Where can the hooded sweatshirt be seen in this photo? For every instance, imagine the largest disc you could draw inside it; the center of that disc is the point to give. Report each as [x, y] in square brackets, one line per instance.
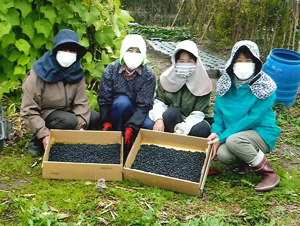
[49, 87]
[247, 108]
[188, 94]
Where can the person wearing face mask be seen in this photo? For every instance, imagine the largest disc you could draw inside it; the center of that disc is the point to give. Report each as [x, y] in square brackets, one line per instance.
[183, 94]
[126, 91]
[54, 92]
[244, 127]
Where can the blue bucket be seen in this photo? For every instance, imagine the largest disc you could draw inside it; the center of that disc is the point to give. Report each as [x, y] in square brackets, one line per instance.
[283, 66]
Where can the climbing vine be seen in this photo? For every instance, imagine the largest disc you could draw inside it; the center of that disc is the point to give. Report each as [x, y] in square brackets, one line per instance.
[27, 29]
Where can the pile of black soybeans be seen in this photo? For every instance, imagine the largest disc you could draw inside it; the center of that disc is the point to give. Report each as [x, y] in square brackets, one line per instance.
[85, 153]
[180, 164]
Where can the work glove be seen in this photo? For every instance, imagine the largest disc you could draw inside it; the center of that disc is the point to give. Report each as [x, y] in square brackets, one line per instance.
[107, 126]
[128, 132]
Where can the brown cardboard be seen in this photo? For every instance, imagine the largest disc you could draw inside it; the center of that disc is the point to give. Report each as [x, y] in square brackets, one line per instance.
[88, 171]
[168, 140]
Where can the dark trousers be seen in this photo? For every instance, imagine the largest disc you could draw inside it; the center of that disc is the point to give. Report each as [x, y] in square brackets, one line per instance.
[172, 116]
[67, 120]
[121, 111]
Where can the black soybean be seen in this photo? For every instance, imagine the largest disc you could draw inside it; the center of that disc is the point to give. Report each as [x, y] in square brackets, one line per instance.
[85, 153]
[185, 165]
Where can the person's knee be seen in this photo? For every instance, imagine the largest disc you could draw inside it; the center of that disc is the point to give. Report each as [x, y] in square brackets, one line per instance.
[71, 122]
[201, 129]
[172, 113]
[122, 104]
[234, 141]
[224, 157]
[148, 124]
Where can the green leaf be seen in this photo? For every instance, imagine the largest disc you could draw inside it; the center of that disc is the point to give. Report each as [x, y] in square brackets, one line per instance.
[4, 28]
[23, 45]
[24, 6]
[106, 36]
[105, 58]
[8, 39]
[78, 7]
[88, 57]
[49, 13]
[58, 4]
[38, 41]
[43, 26]
[84, 42]
[5, 5]
[66, 13]
[123, 16]
[92, 16]
[23, 60]
[13, 17]
[15, 54]
[99, 69]
[7, 65]
[20, 70]
[27, 27]
[49, 45]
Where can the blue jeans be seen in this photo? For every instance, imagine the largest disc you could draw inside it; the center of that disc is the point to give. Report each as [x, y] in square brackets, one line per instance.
[121, 111]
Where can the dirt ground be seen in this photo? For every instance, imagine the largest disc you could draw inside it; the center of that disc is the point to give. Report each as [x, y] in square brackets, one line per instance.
[289, 155]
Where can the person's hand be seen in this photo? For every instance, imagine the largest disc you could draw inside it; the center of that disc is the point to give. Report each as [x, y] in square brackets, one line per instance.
[213, 136]
[159, 125]
[215, 145]
[128, 132]
[45, 141]
[107, 126]
[81, 129]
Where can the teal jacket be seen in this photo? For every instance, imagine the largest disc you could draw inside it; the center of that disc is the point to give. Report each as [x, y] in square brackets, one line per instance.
[239, 110]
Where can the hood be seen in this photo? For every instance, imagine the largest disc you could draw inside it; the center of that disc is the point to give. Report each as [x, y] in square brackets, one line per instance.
[198, 83]
[250, 45]
[68, 36]
[47, 67]
[133, 41]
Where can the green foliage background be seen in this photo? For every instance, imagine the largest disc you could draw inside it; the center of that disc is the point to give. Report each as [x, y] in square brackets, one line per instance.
[27, 29]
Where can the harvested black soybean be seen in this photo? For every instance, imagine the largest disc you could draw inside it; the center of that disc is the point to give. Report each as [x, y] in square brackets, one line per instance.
[85, 153]
[185, 165]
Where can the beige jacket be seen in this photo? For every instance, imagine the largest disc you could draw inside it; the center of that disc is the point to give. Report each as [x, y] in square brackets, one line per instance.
[40, 98]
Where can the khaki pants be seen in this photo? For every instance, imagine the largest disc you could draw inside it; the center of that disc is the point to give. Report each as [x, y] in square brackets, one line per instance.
[242, 147]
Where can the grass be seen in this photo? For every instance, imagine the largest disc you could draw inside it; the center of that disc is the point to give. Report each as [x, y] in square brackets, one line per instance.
[28, 199]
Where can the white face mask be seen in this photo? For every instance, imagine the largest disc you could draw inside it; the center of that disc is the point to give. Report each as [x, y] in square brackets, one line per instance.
[243, 71]
[184, 70]
[65, 59]
[133, 60]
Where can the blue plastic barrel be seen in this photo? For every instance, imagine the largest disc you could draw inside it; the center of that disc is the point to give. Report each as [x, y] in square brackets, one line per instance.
[283, 66]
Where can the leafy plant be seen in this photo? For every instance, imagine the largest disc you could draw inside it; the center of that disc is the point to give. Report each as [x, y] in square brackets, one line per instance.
[172, 34]
[27, 29]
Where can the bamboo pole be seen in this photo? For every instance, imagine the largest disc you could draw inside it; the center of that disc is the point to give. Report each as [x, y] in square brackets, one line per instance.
[178, 13]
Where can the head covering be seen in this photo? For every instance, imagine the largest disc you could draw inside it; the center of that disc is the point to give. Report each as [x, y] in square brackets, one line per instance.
[253, 48]
[133, 41]
[47, 67]
[261, 85]
[198, 83]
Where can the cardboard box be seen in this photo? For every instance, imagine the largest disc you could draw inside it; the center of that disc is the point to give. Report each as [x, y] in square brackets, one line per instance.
[88, 171]
[168, 140]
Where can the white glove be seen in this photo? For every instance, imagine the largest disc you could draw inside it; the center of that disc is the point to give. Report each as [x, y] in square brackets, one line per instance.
[186, 126]
[158, 109]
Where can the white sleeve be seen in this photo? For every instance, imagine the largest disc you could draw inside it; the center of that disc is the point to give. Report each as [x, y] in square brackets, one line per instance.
[157, 111]
[186, 126]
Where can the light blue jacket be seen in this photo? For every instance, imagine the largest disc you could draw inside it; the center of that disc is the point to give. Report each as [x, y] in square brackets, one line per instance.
[246, 108]
[239, 110]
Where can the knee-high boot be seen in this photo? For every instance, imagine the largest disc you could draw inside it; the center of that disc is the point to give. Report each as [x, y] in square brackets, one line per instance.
[269, 178]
